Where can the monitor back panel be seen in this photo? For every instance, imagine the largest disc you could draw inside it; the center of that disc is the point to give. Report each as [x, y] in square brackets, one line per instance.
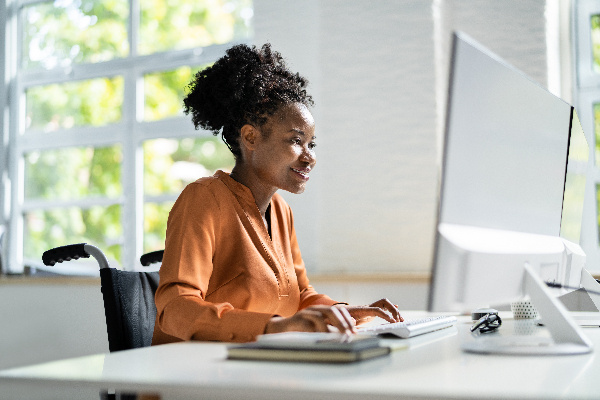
[505, 148]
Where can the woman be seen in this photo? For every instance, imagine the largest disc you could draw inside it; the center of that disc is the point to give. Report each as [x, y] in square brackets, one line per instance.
[232, 267]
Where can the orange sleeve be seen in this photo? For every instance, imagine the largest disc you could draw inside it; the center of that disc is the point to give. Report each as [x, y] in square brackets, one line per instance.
[192, 233]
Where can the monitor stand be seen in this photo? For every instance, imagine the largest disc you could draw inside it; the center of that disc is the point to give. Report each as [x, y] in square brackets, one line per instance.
[583, 303]
[566, 337]
[591, 285]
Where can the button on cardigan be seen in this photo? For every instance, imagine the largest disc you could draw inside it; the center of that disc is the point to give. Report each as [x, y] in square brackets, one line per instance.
[223, 277]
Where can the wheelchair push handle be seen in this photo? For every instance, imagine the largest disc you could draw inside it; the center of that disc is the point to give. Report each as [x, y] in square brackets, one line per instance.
[74, 252]
[64, 253]
[152, 257]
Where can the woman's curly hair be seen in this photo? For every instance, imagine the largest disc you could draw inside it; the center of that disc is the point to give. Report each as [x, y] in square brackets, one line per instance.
[245, 86]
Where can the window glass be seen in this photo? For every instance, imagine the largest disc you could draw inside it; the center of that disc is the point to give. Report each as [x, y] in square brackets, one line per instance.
[596, 108]
[94, 102]
[164, 92]
[73, 173]
[170, 164]
[63, 32]
[184, 24]
[572, 211]
[155, 225]
[68, 193]
[595, 24]
[100, 226]
[598, 208]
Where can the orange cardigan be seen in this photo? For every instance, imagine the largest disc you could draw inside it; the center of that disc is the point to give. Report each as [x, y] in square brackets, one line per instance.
[222, 277]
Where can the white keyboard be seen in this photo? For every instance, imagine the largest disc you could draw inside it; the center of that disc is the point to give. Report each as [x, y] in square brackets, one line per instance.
[409, 328]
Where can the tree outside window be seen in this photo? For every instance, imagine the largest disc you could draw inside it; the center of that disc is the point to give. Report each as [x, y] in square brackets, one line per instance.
[123, 86]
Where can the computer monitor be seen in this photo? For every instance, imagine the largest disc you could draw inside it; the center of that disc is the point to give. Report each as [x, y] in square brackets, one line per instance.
[574, 273]
[505, 147]
[501, 197]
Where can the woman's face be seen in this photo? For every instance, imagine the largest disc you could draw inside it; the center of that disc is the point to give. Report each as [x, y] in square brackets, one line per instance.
[284, 153]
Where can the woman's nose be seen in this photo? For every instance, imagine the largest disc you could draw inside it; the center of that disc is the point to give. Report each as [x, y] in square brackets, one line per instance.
[309, 156]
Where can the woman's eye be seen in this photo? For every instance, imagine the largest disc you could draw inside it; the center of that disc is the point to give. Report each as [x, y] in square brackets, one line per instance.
[296, 141]
[312, 145]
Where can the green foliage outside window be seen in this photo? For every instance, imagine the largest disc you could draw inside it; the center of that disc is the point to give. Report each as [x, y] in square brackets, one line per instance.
[73, 173]
[62, 33]
[69, 174]
[96, 225]
[596, 111]
[597, 153]
[175, 25]
[595, 24]
[170, 164]
[598, 205]
[595, 29]
[95, 102]
[155, 225]
[164, 91]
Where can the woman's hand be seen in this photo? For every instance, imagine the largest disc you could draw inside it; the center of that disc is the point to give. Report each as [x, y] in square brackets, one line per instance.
[381, 308]
[314, 319]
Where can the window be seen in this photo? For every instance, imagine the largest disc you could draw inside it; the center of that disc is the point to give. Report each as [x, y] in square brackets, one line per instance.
[98, 145]
[586, 20]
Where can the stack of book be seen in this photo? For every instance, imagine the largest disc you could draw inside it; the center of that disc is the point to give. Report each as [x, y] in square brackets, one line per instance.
[310, 347]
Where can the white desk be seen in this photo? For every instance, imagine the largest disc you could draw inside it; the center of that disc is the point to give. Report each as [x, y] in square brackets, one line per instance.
[438, 369]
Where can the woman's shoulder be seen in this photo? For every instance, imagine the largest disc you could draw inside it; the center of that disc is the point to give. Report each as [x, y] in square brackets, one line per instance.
[200, 199]
[205, 181]
[209, 186]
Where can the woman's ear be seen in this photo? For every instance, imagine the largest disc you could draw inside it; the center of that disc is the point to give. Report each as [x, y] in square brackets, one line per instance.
[248, 136]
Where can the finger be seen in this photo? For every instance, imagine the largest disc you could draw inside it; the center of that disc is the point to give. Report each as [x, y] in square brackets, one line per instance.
[351, 321]
[327, 314]
[393, 310]
[389, 307]
[381, 313]
[338, 320]
[364, 312]
[401, 318]
[345, 315]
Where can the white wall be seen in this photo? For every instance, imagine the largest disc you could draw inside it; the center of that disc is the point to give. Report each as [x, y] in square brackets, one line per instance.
[378, 72]
[43, 321]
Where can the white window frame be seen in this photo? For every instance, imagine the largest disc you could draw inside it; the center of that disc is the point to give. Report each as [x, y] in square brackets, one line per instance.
[130, 132]
[586, 85]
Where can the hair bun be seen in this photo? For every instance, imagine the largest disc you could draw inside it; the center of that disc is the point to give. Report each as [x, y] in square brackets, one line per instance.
[246, 85]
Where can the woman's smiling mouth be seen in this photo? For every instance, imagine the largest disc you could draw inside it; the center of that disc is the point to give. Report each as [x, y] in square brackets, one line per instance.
[302, 172]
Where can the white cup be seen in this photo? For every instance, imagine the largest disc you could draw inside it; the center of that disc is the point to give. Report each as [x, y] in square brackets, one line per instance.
[523, 310]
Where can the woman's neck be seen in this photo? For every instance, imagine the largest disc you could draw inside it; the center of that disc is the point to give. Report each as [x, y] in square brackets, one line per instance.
[262, 194]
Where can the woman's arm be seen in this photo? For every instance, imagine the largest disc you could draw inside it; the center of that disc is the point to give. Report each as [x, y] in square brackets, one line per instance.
[182, 312]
